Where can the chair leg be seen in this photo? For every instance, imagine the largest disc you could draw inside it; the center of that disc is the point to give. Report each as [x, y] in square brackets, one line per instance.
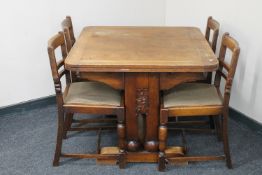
[225, 140]
[122, 159]
[68, 123]
[162, 139]
[211, 122]
[161, 162]
[209, 78]
[59, 140]
[121, 138]
[218, 127]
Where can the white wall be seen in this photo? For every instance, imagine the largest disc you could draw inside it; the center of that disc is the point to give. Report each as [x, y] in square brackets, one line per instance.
[242, 19]
[27, 25]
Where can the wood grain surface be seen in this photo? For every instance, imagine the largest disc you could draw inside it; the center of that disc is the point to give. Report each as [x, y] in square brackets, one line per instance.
[141, 49]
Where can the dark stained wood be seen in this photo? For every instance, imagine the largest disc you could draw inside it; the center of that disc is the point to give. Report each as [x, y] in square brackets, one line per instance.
[142, 61]
[68, 123]
[142, 90]
[93, 128]
[228, 43]
[192, 130]
[133, 83]
[95, 120]
[98, 142]
[68, 109]
[91, 156]
[161, 162]
[152, 117]
[115, 80]
[122, 159]
[185, 123]
[196, 158]
[170, 80]
[137, 157]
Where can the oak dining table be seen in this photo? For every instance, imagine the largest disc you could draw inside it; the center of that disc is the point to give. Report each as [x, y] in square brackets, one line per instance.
[143, 62]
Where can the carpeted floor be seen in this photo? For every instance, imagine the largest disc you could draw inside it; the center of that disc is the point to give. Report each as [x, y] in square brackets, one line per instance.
[27, 142]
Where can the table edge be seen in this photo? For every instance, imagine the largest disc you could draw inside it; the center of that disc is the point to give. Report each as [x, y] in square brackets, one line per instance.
[96, 68]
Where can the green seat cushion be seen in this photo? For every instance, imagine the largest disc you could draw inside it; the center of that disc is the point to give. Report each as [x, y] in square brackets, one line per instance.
[192, 94]
[92, 93]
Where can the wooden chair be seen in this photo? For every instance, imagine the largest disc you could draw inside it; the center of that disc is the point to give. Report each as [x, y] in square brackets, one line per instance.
[214, 26]
[67, 27]
[198, 99]
[82, 97]
[68, 30]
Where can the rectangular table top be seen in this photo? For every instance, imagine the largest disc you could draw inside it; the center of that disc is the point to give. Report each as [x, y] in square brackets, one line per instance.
[141, 49]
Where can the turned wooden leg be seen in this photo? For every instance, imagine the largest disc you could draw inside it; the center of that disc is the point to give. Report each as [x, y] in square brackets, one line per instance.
[161, 162]
[122, 159]
[59, 139]
[162, 139]
[121, 129]
[121, 138]
[225, 139]
[68, 123]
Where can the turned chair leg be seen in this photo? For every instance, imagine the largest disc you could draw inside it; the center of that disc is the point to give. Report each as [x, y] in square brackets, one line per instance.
[225, 140]
[59, 139]
[68, 123]
[121, 138]
[162, 139]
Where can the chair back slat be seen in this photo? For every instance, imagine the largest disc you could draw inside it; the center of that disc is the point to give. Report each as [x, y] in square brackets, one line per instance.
[214, 26]
[60, 64]
[68, 30]
[225, 65]
[55, 42]
[228, 43]
[62, 72]
[222, 74]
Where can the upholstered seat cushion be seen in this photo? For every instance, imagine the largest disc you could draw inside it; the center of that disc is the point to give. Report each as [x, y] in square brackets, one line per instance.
[192, 94]
[92, 93]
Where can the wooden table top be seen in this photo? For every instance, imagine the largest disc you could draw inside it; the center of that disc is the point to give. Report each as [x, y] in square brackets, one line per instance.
[141, 49]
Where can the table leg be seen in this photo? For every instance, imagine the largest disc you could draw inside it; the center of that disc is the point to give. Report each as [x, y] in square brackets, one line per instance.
[152, 119]
[142, 111]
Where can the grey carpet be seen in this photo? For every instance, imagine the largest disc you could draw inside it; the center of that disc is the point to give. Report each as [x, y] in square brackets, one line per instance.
[27, 142]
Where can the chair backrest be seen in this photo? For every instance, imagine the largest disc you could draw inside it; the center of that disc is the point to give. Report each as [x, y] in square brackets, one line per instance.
[68, 30]
[227, 43]
[58, 67]
[214, 26]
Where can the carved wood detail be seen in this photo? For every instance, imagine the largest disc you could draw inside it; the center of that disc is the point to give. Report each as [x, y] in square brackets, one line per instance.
[142, 101]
